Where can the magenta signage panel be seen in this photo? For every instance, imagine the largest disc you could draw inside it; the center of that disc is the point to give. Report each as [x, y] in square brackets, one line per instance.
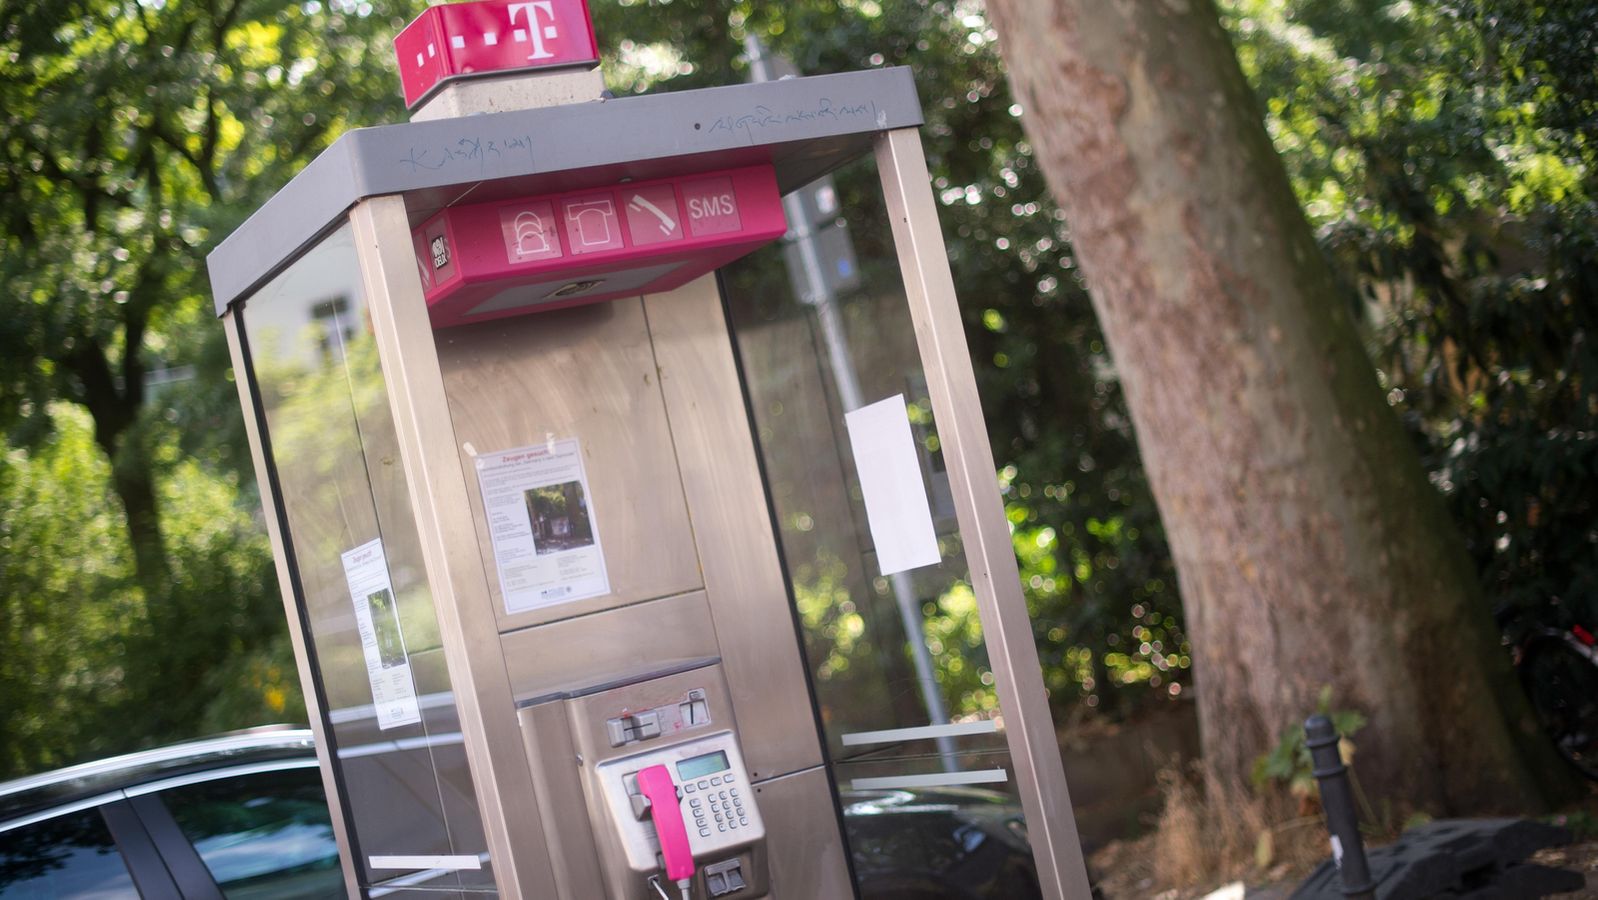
[456, 39]
[511, 257]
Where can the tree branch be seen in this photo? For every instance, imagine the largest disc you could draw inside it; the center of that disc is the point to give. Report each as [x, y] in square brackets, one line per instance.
[84, 184]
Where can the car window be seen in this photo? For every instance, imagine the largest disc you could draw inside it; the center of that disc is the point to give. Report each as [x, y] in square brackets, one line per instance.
[263, 836]
[70, 857]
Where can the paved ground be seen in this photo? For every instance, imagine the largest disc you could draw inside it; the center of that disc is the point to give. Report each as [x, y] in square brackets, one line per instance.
[1129, 878]
[1582, 858]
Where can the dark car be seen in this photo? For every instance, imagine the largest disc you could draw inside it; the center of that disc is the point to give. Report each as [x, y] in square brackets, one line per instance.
[243, 817]
[948, 844]
[237, 816]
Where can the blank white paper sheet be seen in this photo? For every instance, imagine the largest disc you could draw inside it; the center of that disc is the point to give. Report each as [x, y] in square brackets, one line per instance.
[891, 483]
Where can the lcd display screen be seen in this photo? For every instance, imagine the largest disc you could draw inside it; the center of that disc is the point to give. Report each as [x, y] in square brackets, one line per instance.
[700, 766]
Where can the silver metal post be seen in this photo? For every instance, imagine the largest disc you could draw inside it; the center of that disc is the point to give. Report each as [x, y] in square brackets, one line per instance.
[973, 482]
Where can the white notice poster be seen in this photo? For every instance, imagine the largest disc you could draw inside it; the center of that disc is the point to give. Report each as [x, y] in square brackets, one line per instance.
[891, 484]
[388, 666]
[546, 543]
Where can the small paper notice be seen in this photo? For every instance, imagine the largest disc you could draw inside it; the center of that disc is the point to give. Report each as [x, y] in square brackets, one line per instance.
[388, 666]
[546, 543]
[891, 484]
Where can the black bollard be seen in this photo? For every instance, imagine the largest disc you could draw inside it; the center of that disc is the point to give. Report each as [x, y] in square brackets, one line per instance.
[1337, 799]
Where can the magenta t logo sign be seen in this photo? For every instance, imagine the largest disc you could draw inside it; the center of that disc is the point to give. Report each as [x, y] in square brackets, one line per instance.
[536, 29]
[454, 40]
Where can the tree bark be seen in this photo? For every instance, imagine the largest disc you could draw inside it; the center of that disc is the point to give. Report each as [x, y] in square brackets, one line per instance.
[1310, 548]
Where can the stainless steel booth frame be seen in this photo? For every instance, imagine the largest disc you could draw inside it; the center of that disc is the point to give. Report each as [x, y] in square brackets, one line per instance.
[822, 121]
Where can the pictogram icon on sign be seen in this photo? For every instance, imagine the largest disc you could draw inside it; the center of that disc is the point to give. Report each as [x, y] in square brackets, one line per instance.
[652, 215]
[529, 231]
[530, 234]
[712, 206]
[591, 224]
[666, 223]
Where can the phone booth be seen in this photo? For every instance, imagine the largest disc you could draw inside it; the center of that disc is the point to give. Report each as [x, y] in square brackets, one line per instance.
[630, 494]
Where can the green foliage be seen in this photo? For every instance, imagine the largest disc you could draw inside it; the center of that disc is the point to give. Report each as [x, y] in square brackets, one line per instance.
[954, 636]
[135, 135]
[1288, 764]
[829, 614]
[1445, 151]
[89, 666]
[65, 594]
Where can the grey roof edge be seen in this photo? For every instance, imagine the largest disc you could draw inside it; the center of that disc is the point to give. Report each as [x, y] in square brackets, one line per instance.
[390, 159]
[276, 232]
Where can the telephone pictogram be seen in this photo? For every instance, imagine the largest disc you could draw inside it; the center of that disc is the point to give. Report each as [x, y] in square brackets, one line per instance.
[641, 203]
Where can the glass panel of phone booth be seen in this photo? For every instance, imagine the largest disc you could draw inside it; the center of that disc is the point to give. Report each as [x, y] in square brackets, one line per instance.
[803, 364]
[401, 763]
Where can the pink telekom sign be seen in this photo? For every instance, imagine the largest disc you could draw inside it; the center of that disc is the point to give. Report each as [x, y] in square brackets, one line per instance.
[511, 257]
[492, 36]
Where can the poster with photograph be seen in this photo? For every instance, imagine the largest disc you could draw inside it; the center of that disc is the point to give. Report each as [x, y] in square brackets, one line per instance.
[388, 666]
[546, 543]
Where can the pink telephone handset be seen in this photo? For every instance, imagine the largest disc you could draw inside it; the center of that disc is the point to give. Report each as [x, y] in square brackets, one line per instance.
[655, 783]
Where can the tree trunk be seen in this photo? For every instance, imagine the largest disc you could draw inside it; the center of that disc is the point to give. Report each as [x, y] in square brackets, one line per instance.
[1311, 549]
[134, 484]
[115, 410]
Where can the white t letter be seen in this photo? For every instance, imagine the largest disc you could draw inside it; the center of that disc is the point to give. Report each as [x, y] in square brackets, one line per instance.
[534, 29]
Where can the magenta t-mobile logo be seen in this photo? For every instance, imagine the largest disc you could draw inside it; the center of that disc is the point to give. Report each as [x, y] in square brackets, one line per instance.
[539, 28]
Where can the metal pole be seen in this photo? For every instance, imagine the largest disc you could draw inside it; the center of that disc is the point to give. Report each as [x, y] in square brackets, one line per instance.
[830, 318]
[1337, 800]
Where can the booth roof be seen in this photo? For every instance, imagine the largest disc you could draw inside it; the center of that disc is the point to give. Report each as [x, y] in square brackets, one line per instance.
[805, 127]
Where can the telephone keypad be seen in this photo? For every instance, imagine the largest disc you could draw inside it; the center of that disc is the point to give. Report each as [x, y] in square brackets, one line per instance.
[726, 806]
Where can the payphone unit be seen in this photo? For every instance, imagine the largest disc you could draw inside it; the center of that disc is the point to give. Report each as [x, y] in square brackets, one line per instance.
[505, 431]
[669, 797]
